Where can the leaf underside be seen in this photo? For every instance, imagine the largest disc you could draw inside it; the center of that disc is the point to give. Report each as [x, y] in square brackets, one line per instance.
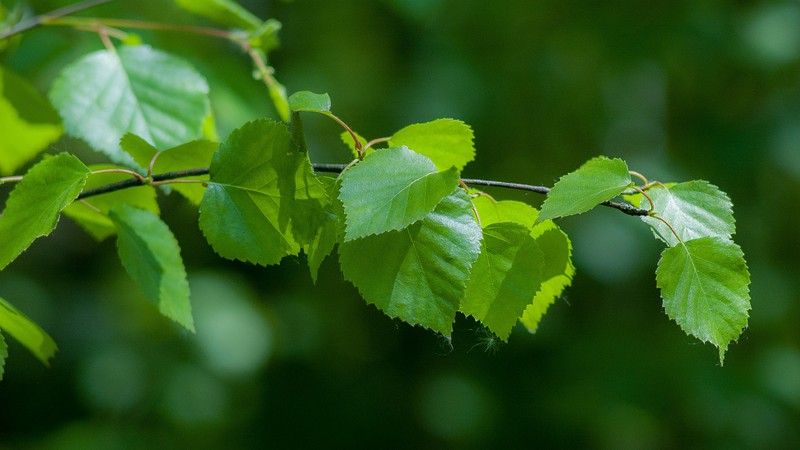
[26, 332]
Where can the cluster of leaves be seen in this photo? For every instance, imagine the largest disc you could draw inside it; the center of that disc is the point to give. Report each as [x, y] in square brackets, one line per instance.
[415, 240]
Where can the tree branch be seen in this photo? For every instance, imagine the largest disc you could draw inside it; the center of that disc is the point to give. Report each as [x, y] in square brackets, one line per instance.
[38, 20]
[337, 168]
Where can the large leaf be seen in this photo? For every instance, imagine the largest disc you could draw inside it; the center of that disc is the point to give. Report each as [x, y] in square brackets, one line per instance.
[151, 256]
[225, 12]
[33, 207]
[694, 209]
[556, 247]
[192, 155]
[26, 332]
[505, 278]
[390, 190]
[447, 142]
[704, 283]
[28, 122]
[418, 274]
[258, 177]
[92, 213]
[598, 180]
[138, 90]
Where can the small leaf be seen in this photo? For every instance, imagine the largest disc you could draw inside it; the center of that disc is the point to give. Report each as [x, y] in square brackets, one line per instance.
[327, 234]
[26, 332]
[3, 355]
[505, 278]
[557, 272]
[556, 247]
[694, 209]
[29, 123]
[598, 180]
[34, 206]
[256, 177]
[309, 101]
[347, 139]
[390, 190]
[151, 256]
[704, 283]
[138, 90]
[192, 155]
[447, 142]
[225, 12]
[418, 274]
[92, 213]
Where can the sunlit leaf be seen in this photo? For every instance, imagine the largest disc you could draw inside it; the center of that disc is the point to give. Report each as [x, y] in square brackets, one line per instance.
[26, 332]
[151, 256]
[92, 213]
[598, 180]
[419, 273]
[704, 283]
[257, 177]
[447, 142]
[390, 190]
[192, 155]
[28, 122]
[695, 209]
[225, 12]
[138, 90]
[309, 101]
[505, 278]
[35, 204]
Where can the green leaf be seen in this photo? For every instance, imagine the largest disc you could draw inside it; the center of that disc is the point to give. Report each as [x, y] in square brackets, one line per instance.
[29, 123]
[257, 177]
[138, 90]
[492, 212]
[347, 139]
[704, 283]
[192, 155]
[505, 278]
[93, 218]
[225, 12]
[557, 272]
[694, 209]
[3, 355]
[309, 101]
[418, 274]
[328, 231]
[151, 256]
[33, 207]
[598, 180]
[26, 332]
[390, 190]
[447, 142]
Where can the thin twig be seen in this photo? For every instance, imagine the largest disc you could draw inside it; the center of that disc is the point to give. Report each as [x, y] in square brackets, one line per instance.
[44, 18]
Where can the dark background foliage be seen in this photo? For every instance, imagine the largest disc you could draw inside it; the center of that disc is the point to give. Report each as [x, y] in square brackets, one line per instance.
[681, 90]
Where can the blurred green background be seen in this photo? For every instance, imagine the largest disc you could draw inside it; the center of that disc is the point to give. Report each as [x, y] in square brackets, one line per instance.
[681, 90]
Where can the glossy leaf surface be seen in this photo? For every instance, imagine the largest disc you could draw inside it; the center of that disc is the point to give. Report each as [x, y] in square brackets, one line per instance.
[390, 190]
[419, 273]
[704, 284]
